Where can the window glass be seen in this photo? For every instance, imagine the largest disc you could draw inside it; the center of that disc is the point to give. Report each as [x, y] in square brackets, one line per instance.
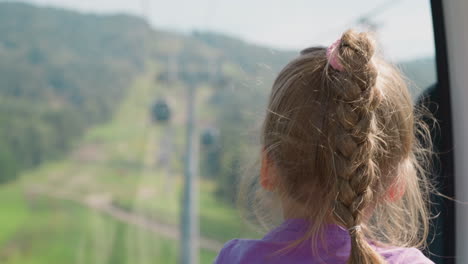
[95, 98]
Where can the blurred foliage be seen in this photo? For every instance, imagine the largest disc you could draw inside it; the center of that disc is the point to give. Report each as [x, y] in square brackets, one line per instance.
[60, 72]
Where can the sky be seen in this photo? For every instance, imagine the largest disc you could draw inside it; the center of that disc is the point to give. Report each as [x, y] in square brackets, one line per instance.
[404, 26]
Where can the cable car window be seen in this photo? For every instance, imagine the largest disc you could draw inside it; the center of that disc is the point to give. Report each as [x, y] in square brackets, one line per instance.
[125, 126]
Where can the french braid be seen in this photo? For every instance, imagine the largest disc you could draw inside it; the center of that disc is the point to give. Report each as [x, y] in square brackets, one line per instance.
[354, 137]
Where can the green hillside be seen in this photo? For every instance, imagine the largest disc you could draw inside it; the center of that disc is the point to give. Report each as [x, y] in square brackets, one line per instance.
[67, 211]
[60, 72]
[77, 90]
[78, 68]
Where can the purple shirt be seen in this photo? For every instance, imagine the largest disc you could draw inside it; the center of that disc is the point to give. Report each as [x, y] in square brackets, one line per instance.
[335, 248]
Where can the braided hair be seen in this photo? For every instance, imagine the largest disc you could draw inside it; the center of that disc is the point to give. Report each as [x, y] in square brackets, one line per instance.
[340, 139]
[353, 137]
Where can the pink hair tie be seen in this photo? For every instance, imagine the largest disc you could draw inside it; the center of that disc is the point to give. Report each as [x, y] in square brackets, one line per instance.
[332, 56]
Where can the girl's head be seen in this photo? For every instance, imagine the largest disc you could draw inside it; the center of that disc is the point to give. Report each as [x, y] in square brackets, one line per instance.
[340, 146]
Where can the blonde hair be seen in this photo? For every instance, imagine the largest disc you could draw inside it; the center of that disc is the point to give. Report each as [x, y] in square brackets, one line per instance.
[340, 141]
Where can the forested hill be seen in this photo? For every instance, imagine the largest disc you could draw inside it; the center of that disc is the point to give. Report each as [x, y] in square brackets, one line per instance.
[63, 71]
[60, 72]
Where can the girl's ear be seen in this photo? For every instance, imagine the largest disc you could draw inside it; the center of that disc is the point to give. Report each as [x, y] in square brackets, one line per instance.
[266, 174]
[398, 187]
[396, 191]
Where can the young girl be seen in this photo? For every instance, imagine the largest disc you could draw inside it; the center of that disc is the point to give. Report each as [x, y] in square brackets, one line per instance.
[341, 157]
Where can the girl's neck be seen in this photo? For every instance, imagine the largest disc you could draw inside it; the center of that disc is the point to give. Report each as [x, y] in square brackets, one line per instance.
[293, 210]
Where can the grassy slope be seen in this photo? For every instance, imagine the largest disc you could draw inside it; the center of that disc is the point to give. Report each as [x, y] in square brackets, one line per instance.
[115, 160]
[47, 231]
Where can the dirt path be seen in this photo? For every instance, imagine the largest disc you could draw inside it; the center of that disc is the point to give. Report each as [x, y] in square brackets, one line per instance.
[102, 203]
